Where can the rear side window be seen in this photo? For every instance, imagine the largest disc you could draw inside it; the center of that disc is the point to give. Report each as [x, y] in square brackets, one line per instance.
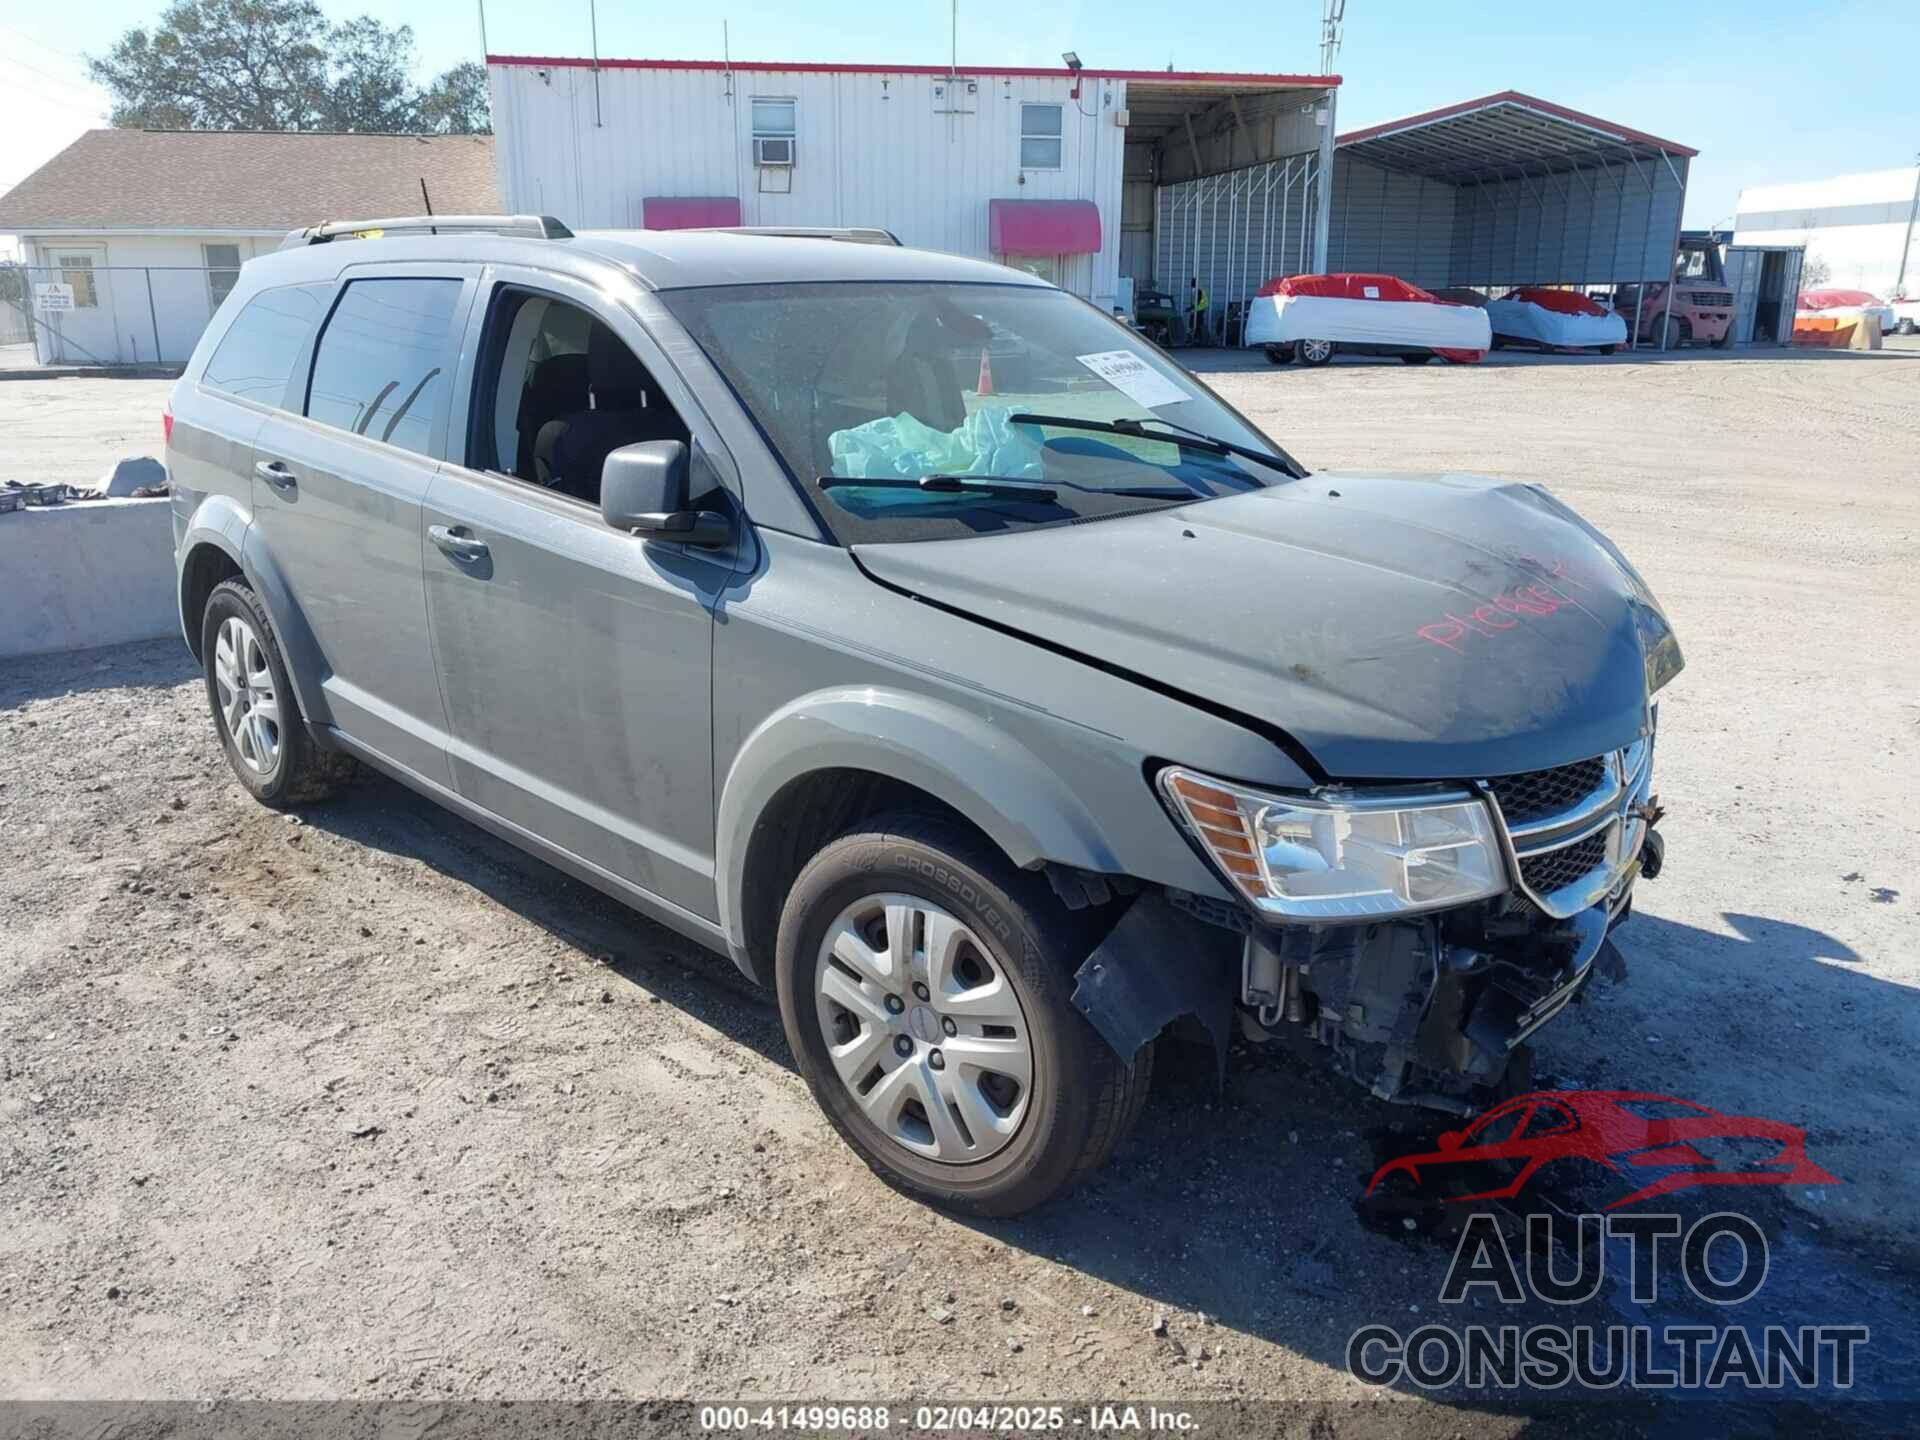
[265, 342]
[381, 370]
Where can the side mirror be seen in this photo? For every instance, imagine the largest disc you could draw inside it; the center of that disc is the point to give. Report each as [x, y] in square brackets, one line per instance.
[1450, 1140]
[643, 491]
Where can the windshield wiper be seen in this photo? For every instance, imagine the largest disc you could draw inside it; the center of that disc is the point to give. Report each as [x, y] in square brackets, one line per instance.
[1013, 487]
[1186, 436]
[1003, 487]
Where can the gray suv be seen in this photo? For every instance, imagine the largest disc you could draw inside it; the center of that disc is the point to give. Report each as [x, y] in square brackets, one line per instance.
[931, 645]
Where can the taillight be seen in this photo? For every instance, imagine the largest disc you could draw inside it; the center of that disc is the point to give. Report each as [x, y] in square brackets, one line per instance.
[166, 424]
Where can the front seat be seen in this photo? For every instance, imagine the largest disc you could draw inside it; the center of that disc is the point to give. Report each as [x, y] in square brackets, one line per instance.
[569, 453]
[558, 386]
[922, 382]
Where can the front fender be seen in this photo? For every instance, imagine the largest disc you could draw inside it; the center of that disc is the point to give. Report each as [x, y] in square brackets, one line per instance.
[954, 755]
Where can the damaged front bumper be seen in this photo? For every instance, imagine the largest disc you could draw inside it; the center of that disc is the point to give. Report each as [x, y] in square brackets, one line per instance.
[1424, 1010]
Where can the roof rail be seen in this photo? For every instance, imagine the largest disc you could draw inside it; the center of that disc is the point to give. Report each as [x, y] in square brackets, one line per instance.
[539, 227]
[853, 234]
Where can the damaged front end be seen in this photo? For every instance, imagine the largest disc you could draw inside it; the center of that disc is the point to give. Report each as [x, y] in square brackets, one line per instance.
[1428, 999]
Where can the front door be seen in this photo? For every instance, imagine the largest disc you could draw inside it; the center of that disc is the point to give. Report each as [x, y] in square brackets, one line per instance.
[337, 493]
[85, 334]
[575, 659]
[1744, 263]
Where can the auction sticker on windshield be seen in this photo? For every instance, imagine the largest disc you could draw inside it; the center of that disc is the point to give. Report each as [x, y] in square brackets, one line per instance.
[1133, 377]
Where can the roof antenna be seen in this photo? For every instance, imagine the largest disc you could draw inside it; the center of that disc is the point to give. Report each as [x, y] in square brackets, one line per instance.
[427, 201]
[593, 21]
[1332, 22]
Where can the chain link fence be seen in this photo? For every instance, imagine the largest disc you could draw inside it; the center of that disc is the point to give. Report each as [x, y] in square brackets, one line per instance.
[79, 313]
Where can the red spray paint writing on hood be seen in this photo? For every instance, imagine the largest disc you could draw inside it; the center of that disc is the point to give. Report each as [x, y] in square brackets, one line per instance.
[1542, 597]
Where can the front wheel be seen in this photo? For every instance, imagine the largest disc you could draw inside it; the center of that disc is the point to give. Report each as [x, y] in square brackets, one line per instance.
[924, 987]
[1279, 354]
[1314, 352]
[1422, 358]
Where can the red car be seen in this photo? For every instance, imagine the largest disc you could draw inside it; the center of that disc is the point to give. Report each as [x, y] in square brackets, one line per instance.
[1628, 1133]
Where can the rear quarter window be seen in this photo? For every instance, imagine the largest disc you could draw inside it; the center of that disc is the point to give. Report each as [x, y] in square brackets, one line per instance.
[383, 363]
[265, 342]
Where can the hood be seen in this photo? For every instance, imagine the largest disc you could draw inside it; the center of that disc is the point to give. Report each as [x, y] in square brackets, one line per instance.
[1397, 627]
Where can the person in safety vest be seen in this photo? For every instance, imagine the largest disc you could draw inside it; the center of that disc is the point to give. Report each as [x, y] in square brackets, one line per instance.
[1197, 332]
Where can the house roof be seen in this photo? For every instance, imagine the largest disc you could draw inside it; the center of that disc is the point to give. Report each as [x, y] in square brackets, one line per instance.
[248, 180]
[819, 67]
[1499, 135]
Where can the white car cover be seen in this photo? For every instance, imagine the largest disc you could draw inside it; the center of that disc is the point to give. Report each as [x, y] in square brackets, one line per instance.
[1282, 319]
[1524, 320]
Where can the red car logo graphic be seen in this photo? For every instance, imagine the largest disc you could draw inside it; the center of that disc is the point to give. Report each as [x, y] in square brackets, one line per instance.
[1631, 1134]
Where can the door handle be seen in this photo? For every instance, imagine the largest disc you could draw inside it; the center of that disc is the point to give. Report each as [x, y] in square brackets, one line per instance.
[457, 545]
[276, 474]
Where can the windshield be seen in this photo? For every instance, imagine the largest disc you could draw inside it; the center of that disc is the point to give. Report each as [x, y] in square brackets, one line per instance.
[912, 389]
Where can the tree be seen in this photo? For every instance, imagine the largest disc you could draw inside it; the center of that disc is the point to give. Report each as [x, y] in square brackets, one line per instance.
[370, 90]
[279, 65]
[221, 65]
[456, 103]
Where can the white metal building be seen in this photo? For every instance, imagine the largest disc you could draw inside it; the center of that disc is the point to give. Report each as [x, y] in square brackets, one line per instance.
[1094, 178]
[1859, 228]
[132, 238]
[1053, 170]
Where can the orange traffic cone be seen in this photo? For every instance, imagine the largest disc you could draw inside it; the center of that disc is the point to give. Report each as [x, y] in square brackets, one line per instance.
[985, 384]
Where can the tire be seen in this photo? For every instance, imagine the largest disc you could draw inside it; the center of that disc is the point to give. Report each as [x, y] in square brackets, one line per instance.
[1906, 327]
[1679, 331]
[1420, 359]
[1010, 970]
[1279, 354]
[1725, 342]
[1497, 343]
[272, 753]
[1609, 349]
[1313, 352]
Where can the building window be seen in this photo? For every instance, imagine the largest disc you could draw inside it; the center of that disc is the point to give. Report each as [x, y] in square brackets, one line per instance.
[1040, 137]
[77, 271]
[774, 131]
[223, 269]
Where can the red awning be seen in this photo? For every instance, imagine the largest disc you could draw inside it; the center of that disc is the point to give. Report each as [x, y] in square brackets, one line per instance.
[688, 212]
[1043, 227]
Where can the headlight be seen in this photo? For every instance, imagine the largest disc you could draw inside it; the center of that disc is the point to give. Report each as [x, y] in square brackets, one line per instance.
[1355, 858]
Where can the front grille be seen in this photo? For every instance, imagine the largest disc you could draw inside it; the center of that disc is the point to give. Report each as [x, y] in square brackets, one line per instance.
[1711, 299]
[1539, 794]
[1544, 874]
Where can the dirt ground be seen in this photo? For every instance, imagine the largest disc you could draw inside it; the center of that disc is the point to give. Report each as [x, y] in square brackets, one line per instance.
[366, 1104]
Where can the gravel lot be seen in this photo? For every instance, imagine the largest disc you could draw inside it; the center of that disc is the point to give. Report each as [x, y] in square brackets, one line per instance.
[368, 1105]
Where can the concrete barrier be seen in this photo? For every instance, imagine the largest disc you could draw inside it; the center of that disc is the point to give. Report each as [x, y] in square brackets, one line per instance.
[92, 572]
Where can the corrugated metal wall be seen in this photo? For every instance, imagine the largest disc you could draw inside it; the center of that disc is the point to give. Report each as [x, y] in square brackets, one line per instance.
[1393, 224]
[1611, 224]
[872, 149]
[1234, 232]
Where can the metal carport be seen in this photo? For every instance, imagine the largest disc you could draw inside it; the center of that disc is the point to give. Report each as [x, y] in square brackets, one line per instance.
[1508, 190]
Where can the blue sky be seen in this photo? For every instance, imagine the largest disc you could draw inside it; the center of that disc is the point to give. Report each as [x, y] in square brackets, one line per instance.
[1766, 90]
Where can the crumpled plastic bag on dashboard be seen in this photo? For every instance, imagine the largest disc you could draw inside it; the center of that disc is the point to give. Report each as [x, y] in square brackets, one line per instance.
[901, 447]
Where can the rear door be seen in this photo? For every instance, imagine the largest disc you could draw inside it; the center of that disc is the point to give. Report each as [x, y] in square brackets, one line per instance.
[337, 500]
[576, 660]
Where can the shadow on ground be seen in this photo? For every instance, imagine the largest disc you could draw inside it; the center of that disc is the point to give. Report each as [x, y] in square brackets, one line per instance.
[1244, 1204]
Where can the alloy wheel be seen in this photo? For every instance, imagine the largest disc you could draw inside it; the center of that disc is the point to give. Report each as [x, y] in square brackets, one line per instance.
[1316, 352]
[923, 1028]
[249, 701]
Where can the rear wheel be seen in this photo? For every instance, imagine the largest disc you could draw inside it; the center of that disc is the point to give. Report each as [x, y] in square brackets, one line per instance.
[1608, 349]
[1724, 340]
[924, 988]
[254, 711]
[1422, 358]
[1679, 332]
[1314, 352]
